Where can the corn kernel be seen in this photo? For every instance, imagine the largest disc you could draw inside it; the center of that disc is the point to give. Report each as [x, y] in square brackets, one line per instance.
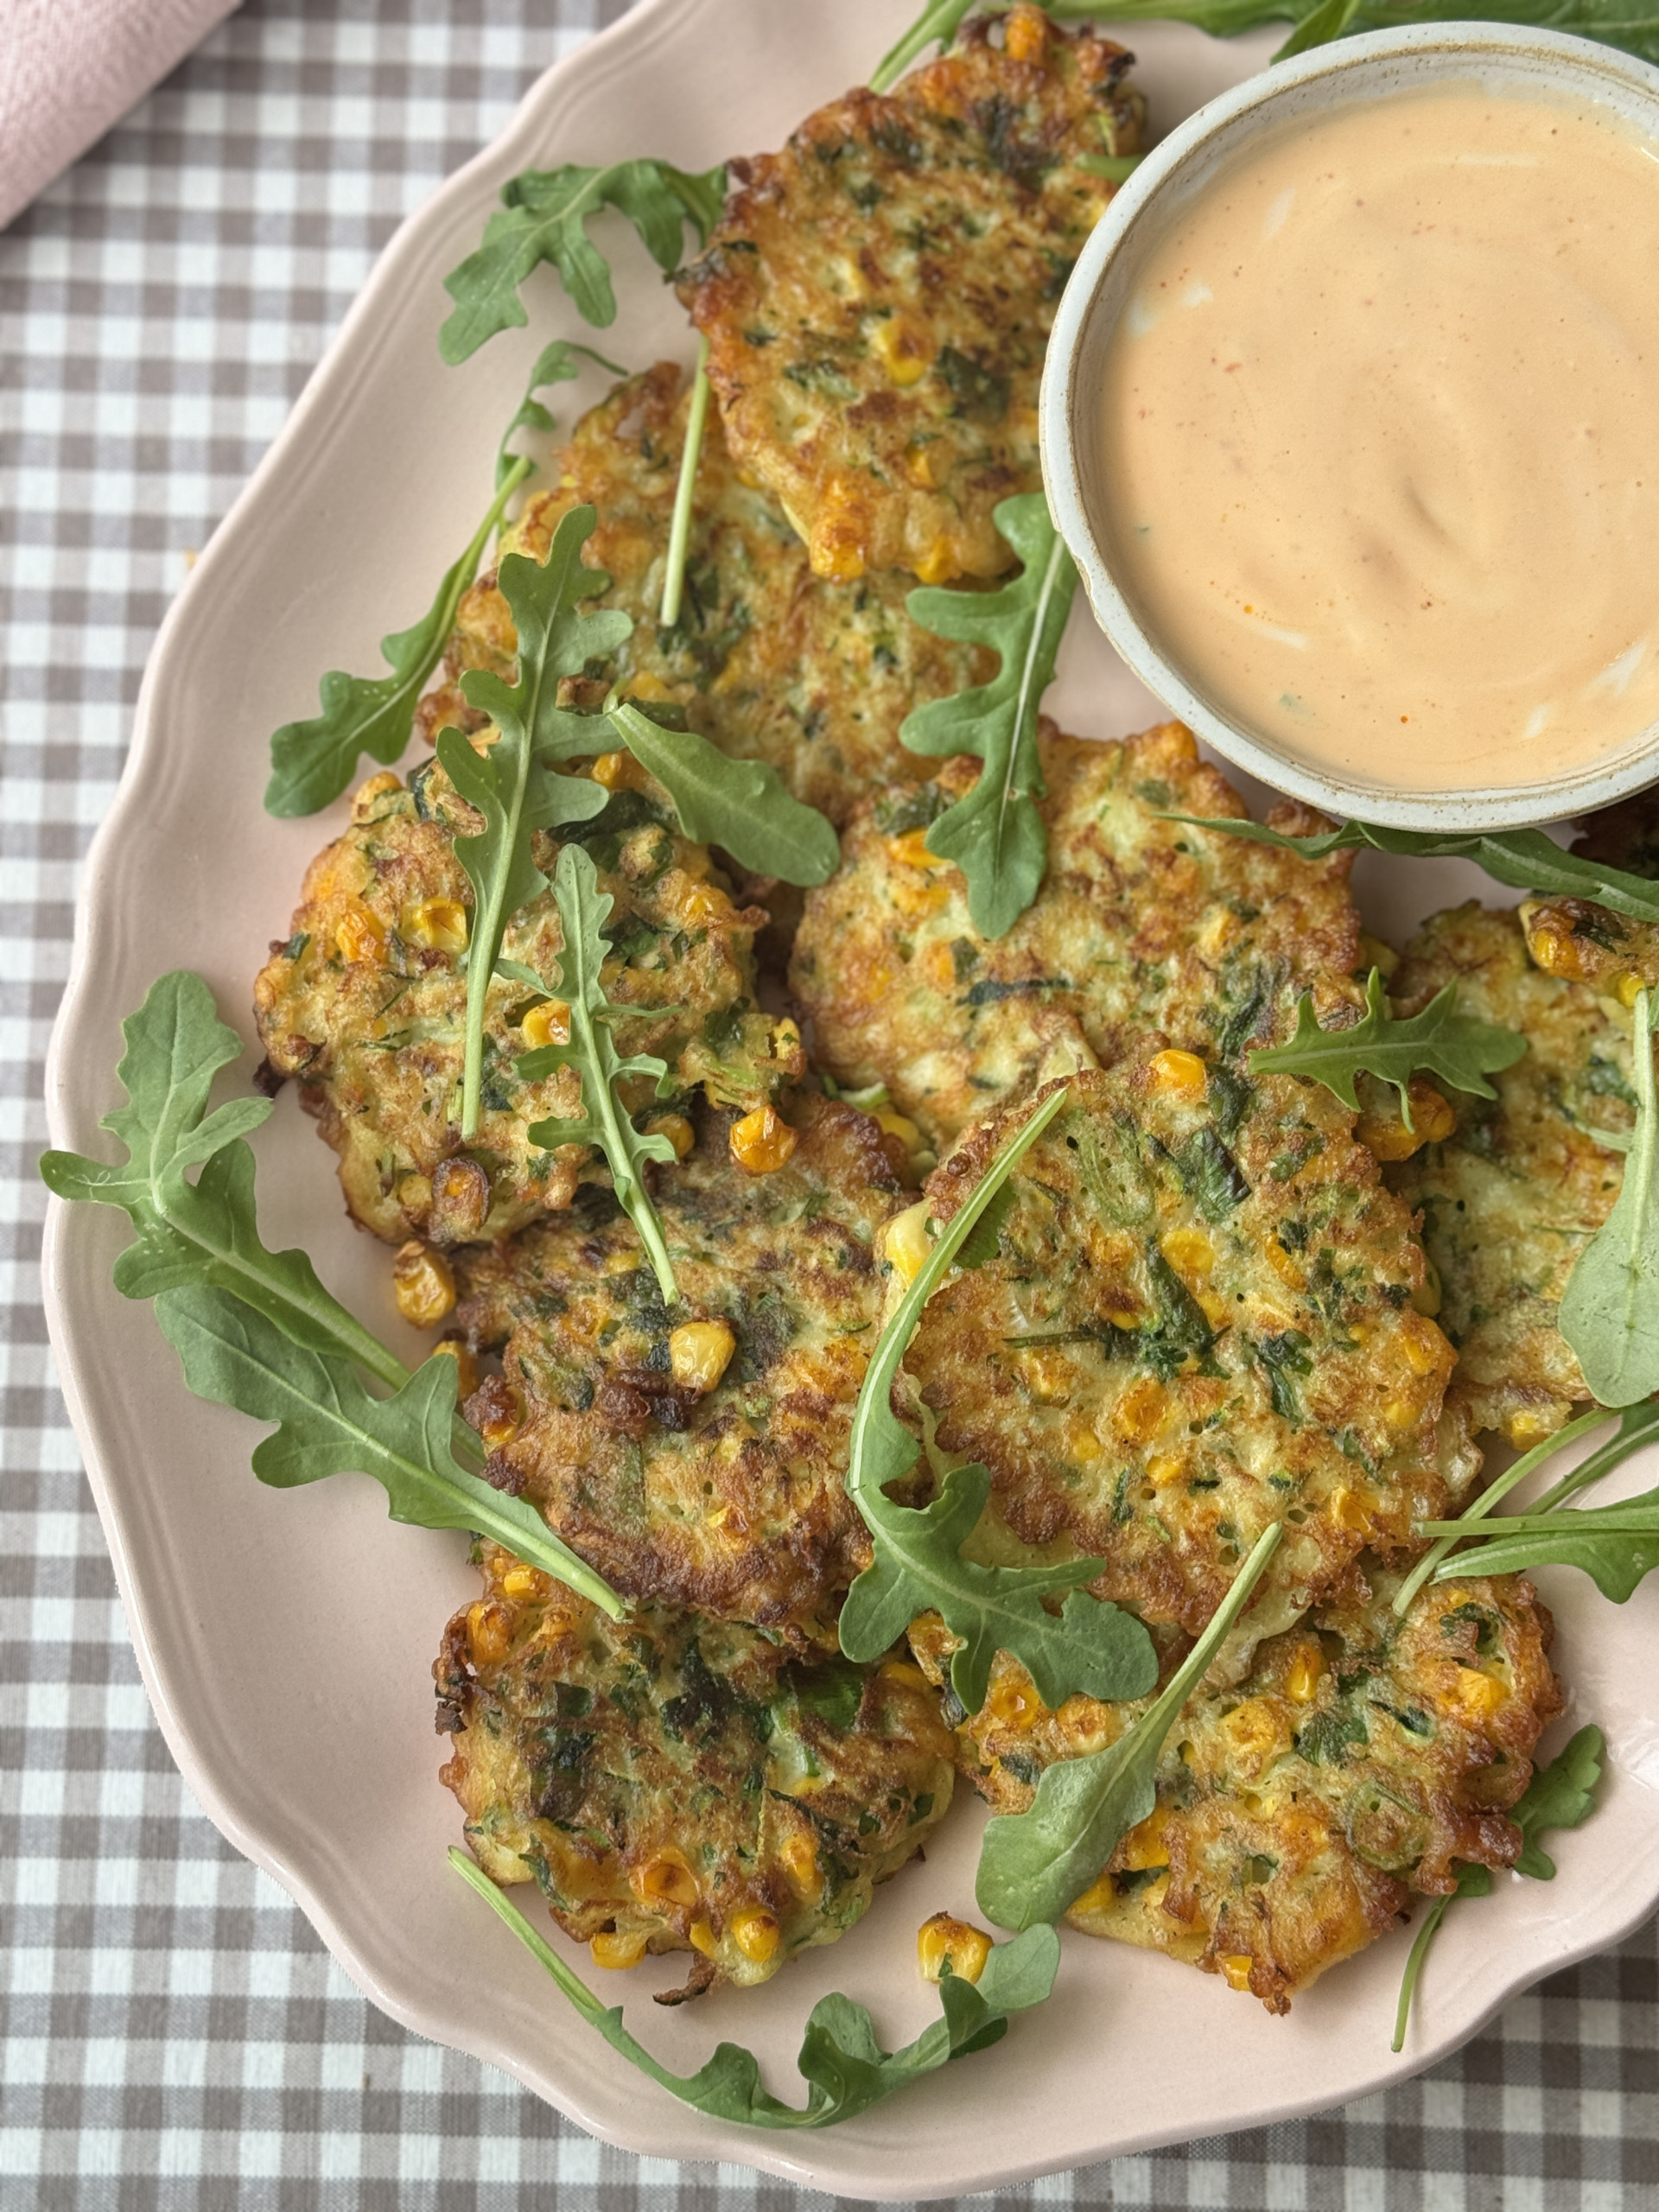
[1302, 1677]
[799, 1855]
[1144, 1845]
[1048, 1376]
[1284, 1266]
[1139, 1412]
[900, 1126]
[906, 351]
[911, 850]
[368, 795]
[1026, 37]
[1427, 1300]
[1014, 1704]
[1435, 1115]
[1182, 1074]
[461, 1201]
[618, 1948]
[836, 545]
[466, 1366]
[943, 1944]
[1552, 946]
[702, 1937]
[665, 1878]
[756, 1934]
[1220, 927]
[1165, 1467]
[1433, 1119]
[762, 1141]
[675, 1126]
[546, 1023]
[699, 1353]
[905, 1242]
[644, 685]
[489, 1631]
[1254, 1729]
[1528, 1426]
[1191, 1253]
[423, 1285]
[1402, 1413]
[904, 1674]
[359, 934]
[1236, 1969]
[520, 1582]
[440, 925]
[1082, 1445]
[1348, 1510]
[1479, 1695]
[618, 771]
[937, 564]
[923, 458]
[1630, 988]
[1422, 1342]
[704, 902]
[1099, 1897]
[499, 1424]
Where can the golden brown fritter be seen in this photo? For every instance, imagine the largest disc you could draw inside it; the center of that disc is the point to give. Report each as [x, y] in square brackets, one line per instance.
[365, 1004]
[673, 1783]
[728, 1498]
[1512, 1197]
[1199, 1322]
[1301, 1808]
[877, 297]
[767, 661]
[1141, 923]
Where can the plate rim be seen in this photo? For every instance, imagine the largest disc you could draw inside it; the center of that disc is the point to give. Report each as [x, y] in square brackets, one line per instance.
[77, 1045]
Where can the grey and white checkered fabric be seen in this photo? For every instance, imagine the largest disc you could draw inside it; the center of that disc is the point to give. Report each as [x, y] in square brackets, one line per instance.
[175, 2035]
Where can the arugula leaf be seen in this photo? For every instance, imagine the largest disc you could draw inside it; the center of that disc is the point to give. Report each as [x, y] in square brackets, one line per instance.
[544, 217]
[1438, 1041]
[1525, 859]
[1613, 22]
[555, 364]
[327, 1424]
[204, 1232]
[996, 835]
[584, 910]
[939, 21]
[1034, 1865]
[1560, 1795]
[1609, 1313]
[201, 1241]
[512, 783]
[311, 763]
[1329, 20]
[1487, 1501]
[919, 1568]
[845, 2068]
[742, 805]
[1615, 1544]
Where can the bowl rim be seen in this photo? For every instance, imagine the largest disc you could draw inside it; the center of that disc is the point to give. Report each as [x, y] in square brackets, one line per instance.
[1575, 64]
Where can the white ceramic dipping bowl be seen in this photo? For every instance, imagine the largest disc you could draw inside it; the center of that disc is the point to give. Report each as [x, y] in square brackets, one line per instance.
[1371, 67]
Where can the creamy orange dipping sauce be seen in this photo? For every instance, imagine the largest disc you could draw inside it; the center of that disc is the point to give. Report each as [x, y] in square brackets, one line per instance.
[1380, 459]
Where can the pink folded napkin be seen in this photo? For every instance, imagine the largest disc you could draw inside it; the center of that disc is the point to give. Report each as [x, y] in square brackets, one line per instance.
[70, 68]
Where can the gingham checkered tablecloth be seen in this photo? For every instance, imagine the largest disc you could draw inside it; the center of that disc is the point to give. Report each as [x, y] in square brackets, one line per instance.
[175, 2035]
